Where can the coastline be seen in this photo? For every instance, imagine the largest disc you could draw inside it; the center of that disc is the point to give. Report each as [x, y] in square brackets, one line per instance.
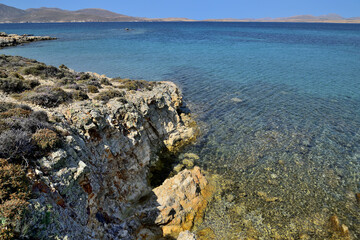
[108, 135]
[198, 21]
[11, 40]
[260, 188]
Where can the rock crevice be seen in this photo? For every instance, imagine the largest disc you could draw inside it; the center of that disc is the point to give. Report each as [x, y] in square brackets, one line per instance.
[94, 185]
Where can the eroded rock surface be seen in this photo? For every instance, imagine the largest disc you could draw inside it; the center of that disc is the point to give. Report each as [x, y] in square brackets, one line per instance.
[91, 187]
[9, 40]
[180, 201]
[103, 142]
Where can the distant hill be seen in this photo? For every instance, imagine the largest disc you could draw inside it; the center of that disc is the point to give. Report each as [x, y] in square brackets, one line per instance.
[10, 12]
[329, 18]
[14, 15]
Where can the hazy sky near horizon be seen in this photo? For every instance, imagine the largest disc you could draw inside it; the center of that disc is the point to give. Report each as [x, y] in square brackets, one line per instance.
[204, 9]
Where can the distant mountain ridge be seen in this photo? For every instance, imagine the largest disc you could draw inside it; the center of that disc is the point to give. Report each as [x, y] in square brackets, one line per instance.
[14, 15]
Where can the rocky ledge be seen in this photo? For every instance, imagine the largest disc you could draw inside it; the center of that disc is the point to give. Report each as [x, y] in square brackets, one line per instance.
[9, 40]
[88, 144]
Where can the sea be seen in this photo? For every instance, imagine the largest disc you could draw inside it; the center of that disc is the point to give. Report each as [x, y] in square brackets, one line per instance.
[278, 105]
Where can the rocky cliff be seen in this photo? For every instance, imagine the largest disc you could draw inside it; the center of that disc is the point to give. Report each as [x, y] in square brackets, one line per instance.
[95, 184]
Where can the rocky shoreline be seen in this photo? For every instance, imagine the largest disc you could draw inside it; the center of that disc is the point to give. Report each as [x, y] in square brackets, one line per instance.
[10, 40]
[94, 148]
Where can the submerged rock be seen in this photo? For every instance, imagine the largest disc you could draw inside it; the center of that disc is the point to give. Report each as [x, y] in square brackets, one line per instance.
[186, 235]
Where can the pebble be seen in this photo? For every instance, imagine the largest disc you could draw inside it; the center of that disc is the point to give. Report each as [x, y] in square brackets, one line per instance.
[238, 100]
[230, 197]
[344, 230]
[189, 163]
[178, 167]
[334, 222]
[191, 156]
[273, 176]
[304, 236]
[358, 197]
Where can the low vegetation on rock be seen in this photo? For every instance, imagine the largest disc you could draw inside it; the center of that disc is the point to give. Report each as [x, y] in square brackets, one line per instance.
[46, 96]
[46, 139]
[14, 193]
[135, 84]
[17, 85]
[25, 135]
[109, 94]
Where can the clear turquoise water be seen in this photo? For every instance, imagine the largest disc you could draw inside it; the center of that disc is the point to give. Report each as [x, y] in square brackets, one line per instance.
[294, 135]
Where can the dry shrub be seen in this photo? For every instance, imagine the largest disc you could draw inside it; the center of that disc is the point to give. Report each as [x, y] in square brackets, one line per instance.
[46, 96]
[16, 85]
[15, 112]
[79, 95]
[16, 75]
[107, 95]
[16, 145]
[92, 89]
[44, 71]
[46, 139]
[135, 84]
[14, 193]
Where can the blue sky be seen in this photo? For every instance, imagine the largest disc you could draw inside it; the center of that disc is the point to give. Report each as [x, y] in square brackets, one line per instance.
[203, 9]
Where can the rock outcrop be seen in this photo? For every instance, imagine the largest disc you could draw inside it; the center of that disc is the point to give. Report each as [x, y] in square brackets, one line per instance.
[94, 183]
[91, 175]
[9, 40]
[182, 200]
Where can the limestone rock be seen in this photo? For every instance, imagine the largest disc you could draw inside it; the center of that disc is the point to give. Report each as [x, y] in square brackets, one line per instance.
[8, 40]
[94, 185]
[186, 235]
[182, 200]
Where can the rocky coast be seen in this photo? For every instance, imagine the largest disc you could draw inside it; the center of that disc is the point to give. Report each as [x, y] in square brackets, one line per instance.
[10, 40]
[89, 151]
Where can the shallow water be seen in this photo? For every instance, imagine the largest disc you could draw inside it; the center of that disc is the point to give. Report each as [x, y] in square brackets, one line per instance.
[278, 103]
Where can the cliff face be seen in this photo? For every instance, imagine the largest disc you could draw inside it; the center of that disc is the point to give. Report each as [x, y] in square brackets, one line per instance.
[88, 143]
[95, 181]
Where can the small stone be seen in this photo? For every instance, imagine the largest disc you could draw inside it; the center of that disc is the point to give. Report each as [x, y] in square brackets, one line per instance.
[334, 223]
[304, 236]
[261, 194]
[358, 197]
[344, 230]
[189, 163]
[178, 167]
[273, 176]
[38, 172]
[230, 197]
[272, 199]
[237, 100]
[186, 235]
[206, 233]
[191, 156]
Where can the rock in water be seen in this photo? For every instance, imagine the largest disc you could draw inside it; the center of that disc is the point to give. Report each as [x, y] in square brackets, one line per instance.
[9, 40]
[186, 235]
[182, 200]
